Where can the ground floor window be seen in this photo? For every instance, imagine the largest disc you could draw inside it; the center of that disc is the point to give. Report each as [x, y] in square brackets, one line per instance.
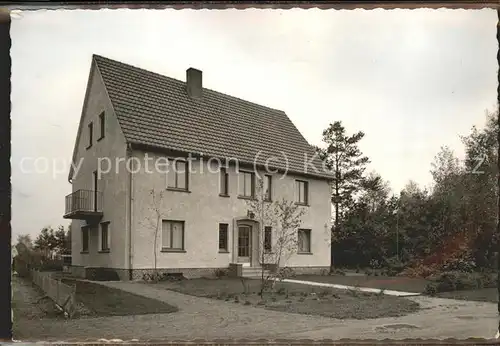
[172, 235]
[104, 236]
[304, 241]
[223, 237]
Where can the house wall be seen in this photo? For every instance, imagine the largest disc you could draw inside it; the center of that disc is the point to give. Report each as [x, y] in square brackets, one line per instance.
[203, 209]
[112, 184]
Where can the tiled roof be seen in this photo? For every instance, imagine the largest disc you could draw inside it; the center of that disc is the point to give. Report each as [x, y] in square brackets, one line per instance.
[155, 110]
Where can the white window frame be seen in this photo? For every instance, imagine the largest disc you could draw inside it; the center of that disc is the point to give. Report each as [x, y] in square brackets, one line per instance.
[297, 192]
[309, 232]
[241, 174]
[226, 249]
[172, 172]
[171, 248]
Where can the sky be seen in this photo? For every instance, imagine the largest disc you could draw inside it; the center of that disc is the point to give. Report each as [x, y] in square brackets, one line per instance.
[411, 80]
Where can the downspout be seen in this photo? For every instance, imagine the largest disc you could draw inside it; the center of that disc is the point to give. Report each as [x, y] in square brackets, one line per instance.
[233, 242]
[130, 212]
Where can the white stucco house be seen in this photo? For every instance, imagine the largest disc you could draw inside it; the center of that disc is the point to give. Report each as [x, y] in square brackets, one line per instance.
[134, 121]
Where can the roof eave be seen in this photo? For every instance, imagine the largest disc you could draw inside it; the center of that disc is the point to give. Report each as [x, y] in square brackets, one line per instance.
[163, 150]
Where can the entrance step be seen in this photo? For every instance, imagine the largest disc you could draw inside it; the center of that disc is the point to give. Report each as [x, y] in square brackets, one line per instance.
[253, 272]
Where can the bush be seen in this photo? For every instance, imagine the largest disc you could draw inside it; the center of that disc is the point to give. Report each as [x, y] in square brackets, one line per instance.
[324, 292]
[285, 273]
[489, 280]
[51, 266]
[338, 272]
[394, 266]
[457, 281]
[21, 267]
[152, 277]
[431, 289]
[375, 264]
[219, 273]
[464, 265]
[353, 292]
[281, 291]
[27, 260]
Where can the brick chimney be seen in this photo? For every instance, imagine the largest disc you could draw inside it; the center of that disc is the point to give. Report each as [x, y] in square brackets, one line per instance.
[194, 83]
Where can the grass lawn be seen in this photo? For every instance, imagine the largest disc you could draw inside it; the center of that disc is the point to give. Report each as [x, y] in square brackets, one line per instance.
[405, 284]
[480, 295]
[297, 298]
[95, 300]
[396, 283]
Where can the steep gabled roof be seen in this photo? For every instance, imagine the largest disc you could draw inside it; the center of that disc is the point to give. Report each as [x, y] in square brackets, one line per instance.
[155, 110]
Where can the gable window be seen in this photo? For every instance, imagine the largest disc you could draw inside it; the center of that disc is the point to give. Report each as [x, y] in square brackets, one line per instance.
[91, 134]
[85, 239]
[102, 125]
[304, 241]
[246, 184]
[178, 175]
[172, 237]
[302, 192]
[224, 182]
[223, 237]
[104, 236]
[268, 239]
[267, 187]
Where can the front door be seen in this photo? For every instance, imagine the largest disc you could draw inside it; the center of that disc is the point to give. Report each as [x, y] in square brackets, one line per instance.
[244, 244]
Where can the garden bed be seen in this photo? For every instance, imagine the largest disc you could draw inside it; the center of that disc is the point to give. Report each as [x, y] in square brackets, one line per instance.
[297, 298]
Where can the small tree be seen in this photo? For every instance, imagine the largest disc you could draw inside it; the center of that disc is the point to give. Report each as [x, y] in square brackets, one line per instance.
[288, 218]
[262, 210]
[67, 241]
[46, 242]
[154, 223]
[61, 241]
[284, 217]
[26, 240]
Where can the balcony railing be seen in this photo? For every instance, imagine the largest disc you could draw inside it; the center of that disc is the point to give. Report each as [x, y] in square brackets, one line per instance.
[82, 204]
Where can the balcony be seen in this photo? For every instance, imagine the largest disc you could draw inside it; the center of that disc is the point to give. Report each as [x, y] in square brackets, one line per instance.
[84, 205]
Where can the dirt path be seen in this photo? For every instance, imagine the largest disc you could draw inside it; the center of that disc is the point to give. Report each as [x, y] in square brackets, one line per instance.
[214, 319]
[28, 302]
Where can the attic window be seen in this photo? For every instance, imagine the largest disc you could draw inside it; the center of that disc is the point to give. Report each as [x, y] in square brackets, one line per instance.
[91, 133]
[102, 125]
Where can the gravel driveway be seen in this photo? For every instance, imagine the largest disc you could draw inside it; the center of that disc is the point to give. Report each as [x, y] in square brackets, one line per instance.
[213, 319]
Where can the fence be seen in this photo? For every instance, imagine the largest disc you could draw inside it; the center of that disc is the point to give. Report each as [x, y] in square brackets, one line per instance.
[63, 295]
